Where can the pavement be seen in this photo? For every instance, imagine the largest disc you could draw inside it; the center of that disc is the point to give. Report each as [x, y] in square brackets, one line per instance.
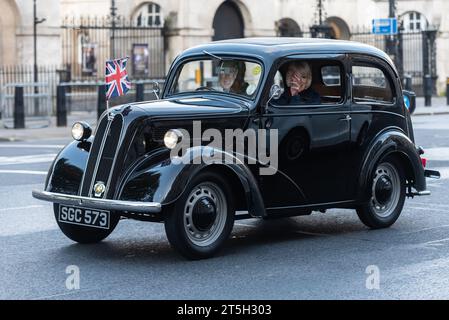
[51, 131]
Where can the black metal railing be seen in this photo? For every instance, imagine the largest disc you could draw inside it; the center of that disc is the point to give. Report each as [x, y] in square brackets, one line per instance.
[88, 42]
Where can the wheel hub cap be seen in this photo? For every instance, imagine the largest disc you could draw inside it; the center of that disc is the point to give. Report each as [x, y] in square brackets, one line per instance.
[383, 190]
[386, 190]
[204, 214]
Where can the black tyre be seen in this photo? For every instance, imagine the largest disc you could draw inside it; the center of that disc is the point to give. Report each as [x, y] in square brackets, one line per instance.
[387, 195]
[200, 221]
[82, 234]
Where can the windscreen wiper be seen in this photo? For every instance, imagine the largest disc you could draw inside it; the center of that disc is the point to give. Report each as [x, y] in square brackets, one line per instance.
[212, 55]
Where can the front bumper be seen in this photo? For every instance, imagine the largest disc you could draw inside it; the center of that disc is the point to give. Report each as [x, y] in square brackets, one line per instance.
[105, 204]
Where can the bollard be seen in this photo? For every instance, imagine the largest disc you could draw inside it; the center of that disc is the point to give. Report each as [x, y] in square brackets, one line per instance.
[101, 105]
[427, 90]
[61, 109]
[408, 82]
[140, 92]
[447, 91]
[19, 109]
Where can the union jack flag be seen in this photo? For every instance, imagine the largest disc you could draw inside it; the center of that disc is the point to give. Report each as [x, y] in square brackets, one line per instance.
[117, 83]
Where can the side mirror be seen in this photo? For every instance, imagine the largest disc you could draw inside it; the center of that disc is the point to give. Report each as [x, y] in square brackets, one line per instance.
[156, 89]
[275, 93]
[409, 100]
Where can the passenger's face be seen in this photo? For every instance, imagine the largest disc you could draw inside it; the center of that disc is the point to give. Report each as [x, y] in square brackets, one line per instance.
[227, 78]
[297, 79]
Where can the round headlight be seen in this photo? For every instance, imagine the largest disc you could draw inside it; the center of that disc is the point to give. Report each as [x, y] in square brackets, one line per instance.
[172, 138]
[81, 131]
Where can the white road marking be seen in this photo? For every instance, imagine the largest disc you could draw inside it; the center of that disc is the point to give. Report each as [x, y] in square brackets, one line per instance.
[425, 229]
[28, 220]
[428, 209]
[437, 241]
[436, 153]
[37, 146]
[41, 173]
[441, 205]
[21, 208]
[37, 158]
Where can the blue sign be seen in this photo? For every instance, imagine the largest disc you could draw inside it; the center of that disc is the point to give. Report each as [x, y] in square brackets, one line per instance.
[385, 26]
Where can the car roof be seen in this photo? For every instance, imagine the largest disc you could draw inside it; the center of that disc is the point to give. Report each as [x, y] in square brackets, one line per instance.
[274, 47]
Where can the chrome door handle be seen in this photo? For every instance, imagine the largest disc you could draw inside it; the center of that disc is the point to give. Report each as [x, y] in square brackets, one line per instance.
[347, 118]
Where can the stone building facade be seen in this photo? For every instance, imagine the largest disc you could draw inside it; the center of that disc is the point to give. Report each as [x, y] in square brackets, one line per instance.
[190, 22]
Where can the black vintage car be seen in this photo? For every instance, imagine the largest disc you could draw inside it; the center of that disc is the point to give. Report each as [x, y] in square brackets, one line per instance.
[267, 127]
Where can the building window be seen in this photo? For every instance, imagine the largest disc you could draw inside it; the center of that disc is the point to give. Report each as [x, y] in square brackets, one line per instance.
[149, 15]
[414, 22]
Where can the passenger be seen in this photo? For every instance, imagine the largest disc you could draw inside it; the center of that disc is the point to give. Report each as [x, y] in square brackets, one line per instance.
[298, 80]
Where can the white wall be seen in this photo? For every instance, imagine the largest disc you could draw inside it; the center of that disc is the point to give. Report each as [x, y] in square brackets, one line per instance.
[48, 40]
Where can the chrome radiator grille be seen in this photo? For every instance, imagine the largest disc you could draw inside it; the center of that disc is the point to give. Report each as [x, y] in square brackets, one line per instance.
[102, 155]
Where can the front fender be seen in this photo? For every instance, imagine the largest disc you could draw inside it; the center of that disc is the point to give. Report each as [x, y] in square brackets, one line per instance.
[392, 141]
[158, 178]
[66, 171]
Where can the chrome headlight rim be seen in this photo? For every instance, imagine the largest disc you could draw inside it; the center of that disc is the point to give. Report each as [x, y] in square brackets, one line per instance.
[172, 137]
[81, 131]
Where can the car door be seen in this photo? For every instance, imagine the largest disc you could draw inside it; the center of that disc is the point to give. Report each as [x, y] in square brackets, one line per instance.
[374, 106]
[313, 142]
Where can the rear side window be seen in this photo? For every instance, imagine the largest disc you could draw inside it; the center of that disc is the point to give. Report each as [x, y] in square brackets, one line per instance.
[371, 84]
[331, 75]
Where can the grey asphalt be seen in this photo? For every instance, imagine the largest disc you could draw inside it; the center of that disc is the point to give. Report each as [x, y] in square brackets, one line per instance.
[322, 256]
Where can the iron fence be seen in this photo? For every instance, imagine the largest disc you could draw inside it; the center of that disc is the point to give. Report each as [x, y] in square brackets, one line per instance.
[415, 53]
[88, 42]
[83, 95]
[39, 98]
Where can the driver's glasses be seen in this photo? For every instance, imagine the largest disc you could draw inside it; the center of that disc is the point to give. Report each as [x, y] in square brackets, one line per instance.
[226, 71]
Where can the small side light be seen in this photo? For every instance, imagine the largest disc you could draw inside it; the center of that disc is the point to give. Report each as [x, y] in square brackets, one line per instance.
[172, 137]
[81, 131]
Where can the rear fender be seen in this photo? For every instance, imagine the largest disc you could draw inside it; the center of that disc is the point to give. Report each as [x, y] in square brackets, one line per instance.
[392, 142]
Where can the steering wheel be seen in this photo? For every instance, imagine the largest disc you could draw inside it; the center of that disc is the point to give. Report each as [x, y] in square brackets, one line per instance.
[205, 88]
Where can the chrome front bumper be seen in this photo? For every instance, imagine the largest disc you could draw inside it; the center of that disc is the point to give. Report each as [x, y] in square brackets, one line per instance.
[105, 204]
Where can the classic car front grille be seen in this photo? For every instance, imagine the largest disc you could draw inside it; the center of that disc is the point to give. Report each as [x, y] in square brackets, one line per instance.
[102, 154]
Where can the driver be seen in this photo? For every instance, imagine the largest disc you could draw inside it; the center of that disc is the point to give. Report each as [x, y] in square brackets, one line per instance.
[227, 73]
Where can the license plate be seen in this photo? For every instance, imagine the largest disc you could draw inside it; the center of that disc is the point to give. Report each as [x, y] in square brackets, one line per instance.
[84, 216]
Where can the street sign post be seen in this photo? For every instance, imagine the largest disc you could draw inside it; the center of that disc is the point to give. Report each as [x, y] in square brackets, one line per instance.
[387, 26]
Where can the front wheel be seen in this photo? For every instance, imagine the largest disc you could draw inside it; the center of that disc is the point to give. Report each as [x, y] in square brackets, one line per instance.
[85, 234]
[200, 221]
[387, 191]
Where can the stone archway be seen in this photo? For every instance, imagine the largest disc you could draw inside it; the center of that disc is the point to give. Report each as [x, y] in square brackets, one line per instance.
[228, 22]
[287, 27]
[9, 20]
[339, 28]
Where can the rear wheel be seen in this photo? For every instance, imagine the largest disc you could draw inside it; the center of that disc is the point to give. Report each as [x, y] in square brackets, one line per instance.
[387, 191]
[200, 221]
[84, 234]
